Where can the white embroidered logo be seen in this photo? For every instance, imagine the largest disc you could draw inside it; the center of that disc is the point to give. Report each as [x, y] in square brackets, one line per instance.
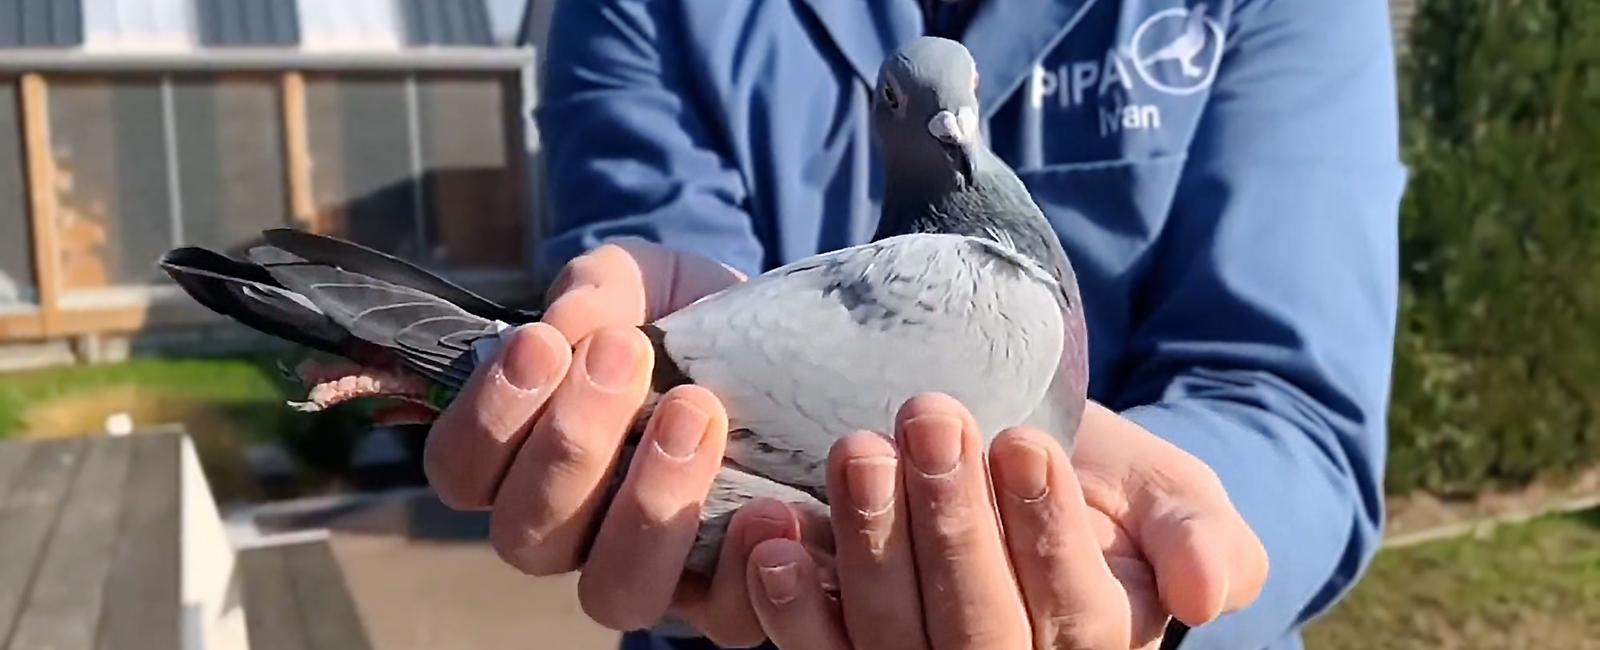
[1176, 51]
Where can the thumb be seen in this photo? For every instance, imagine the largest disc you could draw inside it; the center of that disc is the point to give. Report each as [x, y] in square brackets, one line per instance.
[1206, 559]
[672, 279]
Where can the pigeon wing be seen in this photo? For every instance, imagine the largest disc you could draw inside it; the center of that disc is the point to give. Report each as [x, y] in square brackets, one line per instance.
[430, 334]
[247, 293]
[375, 264]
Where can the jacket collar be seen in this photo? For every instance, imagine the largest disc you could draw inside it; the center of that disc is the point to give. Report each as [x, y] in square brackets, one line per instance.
[866, 31]
[1006, 37]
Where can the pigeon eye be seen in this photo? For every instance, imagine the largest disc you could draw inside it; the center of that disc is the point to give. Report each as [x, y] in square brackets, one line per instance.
[890, 97]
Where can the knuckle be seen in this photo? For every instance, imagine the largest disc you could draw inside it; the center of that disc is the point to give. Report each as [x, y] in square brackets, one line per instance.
[454, 488]
[519, 546]
[992, 636]
[493, 423]
[454, 495]
[565, 448]
[655, 510]
[614, 604]
[1084, 632]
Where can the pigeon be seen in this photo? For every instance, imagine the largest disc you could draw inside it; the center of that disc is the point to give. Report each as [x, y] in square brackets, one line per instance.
[963, 289]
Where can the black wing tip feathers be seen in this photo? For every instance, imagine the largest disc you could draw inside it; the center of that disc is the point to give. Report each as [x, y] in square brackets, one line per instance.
[350, 256]
[186, 256]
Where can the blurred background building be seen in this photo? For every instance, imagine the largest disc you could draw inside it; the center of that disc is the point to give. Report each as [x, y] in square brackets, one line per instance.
[128, 127]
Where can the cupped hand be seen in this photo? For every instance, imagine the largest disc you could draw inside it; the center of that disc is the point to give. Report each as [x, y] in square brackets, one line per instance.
[1097, 552]
[536, 434]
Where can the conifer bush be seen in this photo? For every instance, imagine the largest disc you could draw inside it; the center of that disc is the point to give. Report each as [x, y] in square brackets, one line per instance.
[1497, 371]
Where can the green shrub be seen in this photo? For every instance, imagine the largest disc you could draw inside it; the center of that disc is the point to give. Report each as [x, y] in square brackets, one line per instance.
[1497, 376]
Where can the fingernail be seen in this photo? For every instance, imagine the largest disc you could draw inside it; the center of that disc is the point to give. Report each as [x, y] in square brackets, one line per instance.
[611, 361]
[679, 428]
[870, 482]
[934, 442]
[779, 582]
[1026, 470]
[530, 361]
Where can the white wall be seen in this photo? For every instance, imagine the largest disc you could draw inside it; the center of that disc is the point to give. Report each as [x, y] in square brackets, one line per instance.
[139, 25]
[350, 25]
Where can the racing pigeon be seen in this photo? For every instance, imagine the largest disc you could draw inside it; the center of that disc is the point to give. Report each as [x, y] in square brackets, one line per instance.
[964, 289]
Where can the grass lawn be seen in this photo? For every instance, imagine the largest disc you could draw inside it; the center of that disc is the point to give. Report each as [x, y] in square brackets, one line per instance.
[225, 403]
[1534, 585]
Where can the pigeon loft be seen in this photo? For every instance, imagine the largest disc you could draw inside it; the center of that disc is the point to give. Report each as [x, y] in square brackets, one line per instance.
[400, 125]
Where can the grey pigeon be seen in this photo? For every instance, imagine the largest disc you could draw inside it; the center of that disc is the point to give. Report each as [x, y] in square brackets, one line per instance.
[964, 290]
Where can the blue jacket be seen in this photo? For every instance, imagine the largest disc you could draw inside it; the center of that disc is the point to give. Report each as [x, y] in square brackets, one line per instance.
[1225, 177]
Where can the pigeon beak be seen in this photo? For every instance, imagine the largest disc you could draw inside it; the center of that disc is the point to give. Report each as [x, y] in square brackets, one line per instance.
[959, 134]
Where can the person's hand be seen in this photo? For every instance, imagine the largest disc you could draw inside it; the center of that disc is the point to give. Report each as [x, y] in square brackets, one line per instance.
[535, 434]
[1096, 551]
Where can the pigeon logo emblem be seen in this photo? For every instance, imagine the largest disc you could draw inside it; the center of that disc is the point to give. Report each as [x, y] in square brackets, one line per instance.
[1176, 51]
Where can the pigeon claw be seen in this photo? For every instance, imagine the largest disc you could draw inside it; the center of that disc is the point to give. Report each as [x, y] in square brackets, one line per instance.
[334, 383]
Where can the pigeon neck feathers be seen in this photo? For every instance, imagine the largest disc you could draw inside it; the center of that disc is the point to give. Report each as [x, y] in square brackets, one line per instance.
[996, 207]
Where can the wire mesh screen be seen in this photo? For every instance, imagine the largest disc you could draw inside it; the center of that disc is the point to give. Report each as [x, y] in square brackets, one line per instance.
[17, 281]
[231, 175]
[362, 169]
[472, 213]
[419, 167]
[115, 214]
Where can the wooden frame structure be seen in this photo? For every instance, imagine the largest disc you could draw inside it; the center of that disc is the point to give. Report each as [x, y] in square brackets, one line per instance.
[56, 318]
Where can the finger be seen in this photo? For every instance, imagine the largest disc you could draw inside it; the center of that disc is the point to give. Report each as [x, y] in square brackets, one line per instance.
[721, 609]
[1073, 599]
[633, 567]
[544, 509]
[629, 281]
[789, 601]
[603, 287]
[969, 597]
[1206, 559]
[673, 279]
[1207, 562]
[877, 572]
[473, 442]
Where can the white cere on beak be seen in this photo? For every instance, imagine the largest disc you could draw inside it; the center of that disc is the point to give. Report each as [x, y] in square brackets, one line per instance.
[954, 128]
[967, 117]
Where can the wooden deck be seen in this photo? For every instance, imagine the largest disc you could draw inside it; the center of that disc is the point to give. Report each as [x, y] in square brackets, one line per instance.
[89, 544]
[296, 598]
[114, 543]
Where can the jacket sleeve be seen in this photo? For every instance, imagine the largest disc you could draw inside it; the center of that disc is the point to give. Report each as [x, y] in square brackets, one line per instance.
[1264, 338]
[628, 148]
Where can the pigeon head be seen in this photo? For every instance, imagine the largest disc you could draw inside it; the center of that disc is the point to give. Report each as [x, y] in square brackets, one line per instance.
[925, 113]
[939, 174]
